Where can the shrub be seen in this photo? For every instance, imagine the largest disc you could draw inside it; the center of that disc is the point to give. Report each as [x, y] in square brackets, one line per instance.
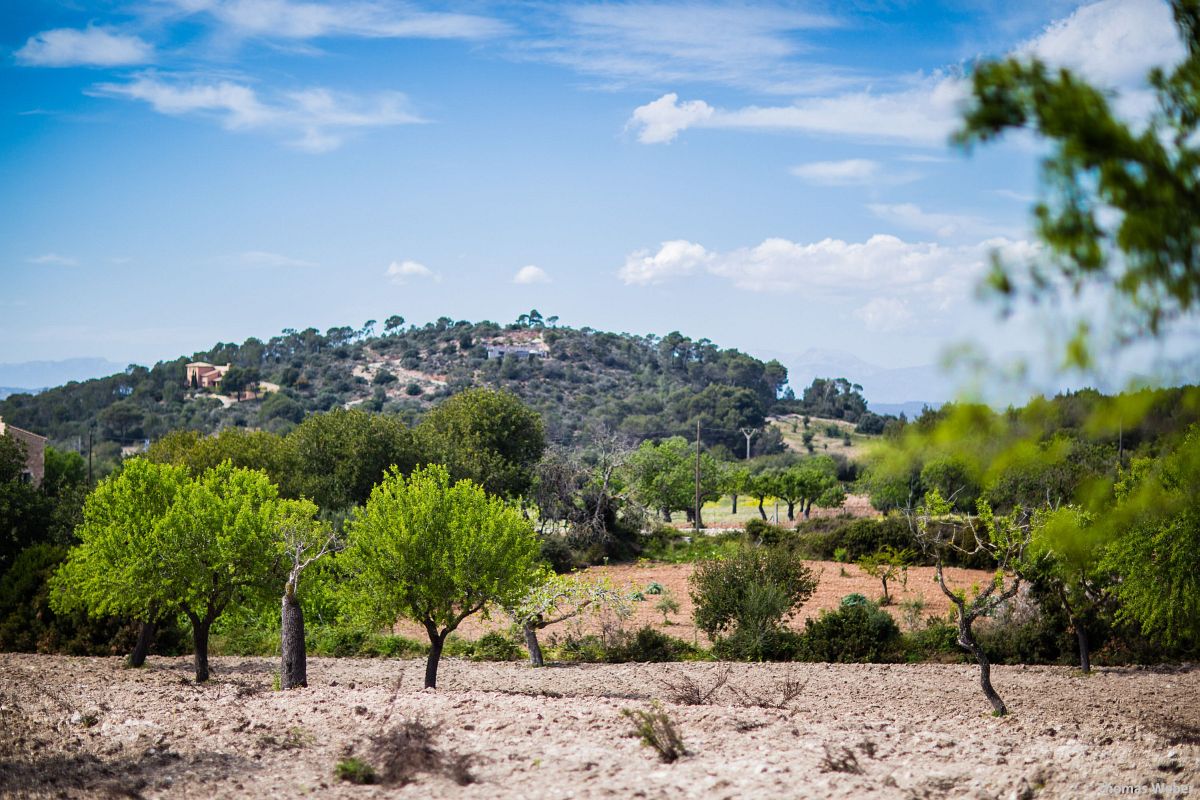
[495, 646]
[746, 597]
[858, 632]
[936, 641]
[763, 532]
[649, 645]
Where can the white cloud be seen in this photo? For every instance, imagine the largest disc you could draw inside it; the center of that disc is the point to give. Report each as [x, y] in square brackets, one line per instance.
[284, 19]
[755, 46]
[935, 275]
[262, 258]
[89, 47]
[674, 259]
[1019, 197]
[1114, 42]
[531, 274]
[884, 315]
[55, 260]
[838, 173]
[399, 272]
[316, 119]
[942, 225]
[925, 113]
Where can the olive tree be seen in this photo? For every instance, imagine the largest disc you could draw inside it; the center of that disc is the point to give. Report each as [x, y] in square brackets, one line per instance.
[436, 552]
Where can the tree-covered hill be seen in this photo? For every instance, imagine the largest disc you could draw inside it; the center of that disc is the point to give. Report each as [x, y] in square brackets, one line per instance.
[578, 379]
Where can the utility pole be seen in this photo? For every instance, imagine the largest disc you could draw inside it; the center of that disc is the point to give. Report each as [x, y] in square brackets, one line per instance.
[696, 512]
[749, 434]
[90, 457]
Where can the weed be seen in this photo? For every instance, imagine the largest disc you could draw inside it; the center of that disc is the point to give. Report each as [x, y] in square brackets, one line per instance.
[840, 760]
[656, 730]
[352, 770]
[778, 695]
[689, 692]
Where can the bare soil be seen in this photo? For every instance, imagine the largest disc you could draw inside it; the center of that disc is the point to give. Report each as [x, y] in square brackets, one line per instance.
[85, 727]
[835, 581]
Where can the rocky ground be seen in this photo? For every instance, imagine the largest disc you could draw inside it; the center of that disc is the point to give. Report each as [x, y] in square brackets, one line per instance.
[85, 727]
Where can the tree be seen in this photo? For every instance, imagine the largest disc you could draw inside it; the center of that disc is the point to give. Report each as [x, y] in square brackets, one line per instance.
[120, 418]
[436, 552]
[887, 564]
[304, 541]
[118, 567]
[1066, 552]
[218, 546]
[663, 476]
[1005, 539]
[336, 458]
[1155, 547]
[734, 480]
[487, 436]
[557, 598]
[1121, 199]
[393, 324]
[761, 486]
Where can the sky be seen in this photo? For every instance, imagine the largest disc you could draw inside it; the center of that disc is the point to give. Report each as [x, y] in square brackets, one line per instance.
[774, 177]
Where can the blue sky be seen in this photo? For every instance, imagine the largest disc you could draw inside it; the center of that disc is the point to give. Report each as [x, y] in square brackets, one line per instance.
[773, 177]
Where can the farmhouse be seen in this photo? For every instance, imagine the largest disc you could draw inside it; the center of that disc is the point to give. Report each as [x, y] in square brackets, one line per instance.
[35, 451]
[516, 351]
[202, 375]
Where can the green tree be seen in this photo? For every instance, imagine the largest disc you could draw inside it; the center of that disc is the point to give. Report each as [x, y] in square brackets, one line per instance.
[734, 480]
[436, 552]
[1155, 551]
[336, 458]
[663, 476]
[305, 541]
[887, 564]
[1120, 199]
[487, 436]
[120, 418]
[557, 598]
[118, 567]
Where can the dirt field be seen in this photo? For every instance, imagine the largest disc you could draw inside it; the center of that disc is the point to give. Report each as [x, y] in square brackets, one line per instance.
[832, 586]
[78, 727]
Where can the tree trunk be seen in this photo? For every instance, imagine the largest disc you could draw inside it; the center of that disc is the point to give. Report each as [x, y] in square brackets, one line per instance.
[762, 511]
[966, 640]
[293, 670]
[200, 644]
[436, 640]
[531, 644]
[735, 504]
[690, 515]
[145, 638]
[666, 515]
[887, 600]
[791, 511]
[1085, 652]
[807, 508]
[699, 515]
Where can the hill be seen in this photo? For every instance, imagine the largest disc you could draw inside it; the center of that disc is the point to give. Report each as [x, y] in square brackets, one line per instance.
[578, 379]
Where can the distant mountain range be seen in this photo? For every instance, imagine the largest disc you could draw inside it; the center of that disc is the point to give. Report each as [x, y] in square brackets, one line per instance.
[33, 376]
[888, 390]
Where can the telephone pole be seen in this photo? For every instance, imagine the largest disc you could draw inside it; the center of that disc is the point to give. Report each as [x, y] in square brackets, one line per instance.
[696, 512]
[90, 458]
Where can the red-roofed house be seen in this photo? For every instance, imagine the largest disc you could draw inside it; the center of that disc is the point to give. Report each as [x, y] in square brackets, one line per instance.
[202, 375]
[35, 451]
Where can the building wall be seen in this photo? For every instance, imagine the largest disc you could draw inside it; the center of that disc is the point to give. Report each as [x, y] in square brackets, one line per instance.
[35, 451]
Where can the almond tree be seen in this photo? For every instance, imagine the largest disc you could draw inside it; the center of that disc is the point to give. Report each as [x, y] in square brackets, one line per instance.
[557, 598]
[304, 541]
[436, 553]
[1005, 539]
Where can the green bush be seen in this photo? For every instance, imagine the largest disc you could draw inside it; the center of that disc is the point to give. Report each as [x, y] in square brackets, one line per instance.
[858, 632]
[936, 641]
[743, 600]
[495, 646]
[821, 539]
[649, 645]
[763, 532]
[29, 625]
